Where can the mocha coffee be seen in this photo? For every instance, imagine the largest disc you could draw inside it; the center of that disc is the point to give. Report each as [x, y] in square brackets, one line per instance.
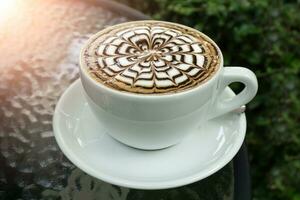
[150, 57]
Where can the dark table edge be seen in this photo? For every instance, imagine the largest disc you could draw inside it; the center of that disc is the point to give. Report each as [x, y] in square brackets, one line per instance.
[121, 9]
[242, 183]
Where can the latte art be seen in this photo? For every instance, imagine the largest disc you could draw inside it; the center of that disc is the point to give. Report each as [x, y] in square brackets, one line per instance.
[150, 57]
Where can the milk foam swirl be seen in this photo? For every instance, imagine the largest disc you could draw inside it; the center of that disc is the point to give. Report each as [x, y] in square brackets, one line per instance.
[150, 57]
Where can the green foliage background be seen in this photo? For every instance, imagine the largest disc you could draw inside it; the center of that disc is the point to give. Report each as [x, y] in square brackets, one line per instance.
[264, 36]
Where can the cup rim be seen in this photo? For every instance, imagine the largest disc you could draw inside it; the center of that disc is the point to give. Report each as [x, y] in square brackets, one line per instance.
[84, 72]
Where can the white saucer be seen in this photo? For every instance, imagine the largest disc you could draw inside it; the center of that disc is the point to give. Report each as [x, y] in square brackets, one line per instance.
[84, 141]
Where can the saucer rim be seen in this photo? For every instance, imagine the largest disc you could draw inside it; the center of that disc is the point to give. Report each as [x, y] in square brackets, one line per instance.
[146, 185]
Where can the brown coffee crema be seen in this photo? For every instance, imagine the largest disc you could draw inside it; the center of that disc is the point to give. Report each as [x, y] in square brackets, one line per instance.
[150, 57]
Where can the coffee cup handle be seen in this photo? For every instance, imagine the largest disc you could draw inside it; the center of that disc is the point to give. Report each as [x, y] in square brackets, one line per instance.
[230, 75]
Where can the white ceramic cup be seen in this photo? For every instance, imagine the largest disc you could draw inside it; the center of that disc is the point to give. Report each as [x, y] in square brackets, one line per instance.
[159, 121]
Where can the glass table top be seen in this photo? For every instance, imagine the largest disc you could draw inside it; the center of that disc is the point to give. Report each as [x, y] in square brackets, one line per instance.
[39, 48]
